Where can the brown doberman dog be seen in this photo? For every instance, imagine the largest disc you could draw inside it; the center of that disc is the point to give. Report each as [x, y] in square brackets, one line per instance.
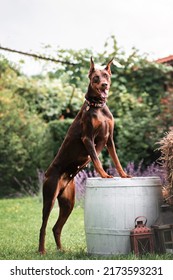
[89, 133]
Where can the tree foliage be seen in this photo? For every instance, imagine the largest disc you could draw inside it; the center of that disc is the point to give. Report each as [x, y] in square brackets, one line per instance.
[24, 139]
[50, 98]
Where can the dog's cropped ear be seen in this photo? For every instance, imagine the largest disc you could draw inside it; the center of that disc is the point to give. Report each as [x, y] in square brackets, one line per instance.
[92, 69]
[108, 66]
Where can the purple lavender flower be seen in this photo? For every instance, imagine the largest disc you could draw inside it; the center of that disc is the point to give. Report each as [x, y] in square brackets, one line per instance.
[135, 171]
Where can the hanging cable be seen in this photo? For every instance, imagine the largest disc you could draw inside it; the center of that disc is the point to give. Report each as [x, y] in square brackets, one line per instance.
[37, 56]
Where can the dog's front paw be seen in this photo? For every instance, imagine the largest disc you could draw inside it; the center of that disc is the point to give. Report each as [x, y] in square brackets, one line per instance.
[124, 175]
[109, 176]
[105, 175]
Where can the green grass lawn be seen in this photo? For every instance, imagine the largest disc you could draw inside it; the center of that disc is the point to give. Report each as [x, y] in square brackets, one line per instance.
[20, 221]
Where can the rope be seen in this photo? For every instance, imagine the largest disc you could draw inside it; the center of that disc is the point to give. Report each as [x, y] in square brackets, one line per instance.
[37, 56]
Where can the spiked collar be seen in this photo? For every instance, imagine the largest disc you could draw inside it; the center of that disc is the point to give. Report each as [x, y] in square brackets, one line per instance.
[94, 104]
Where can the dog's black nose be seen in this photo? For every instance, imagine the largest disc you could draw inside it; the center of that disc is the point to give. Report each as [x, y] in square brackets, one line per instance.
[104, 85]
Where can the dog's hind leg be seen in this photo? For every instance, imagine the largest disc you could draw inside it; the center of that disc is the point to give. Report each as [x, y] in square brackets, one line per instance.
[66, 203]
[50, 189]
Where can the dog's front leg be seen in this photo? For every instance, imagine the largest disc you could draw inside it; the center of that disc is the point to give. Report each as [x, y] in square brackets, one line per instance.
[90, 147]
[113, 154]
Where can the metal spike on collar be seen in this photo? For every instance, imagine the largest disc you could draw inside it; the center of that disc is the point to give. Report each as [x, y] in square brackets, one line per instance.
[94, 105]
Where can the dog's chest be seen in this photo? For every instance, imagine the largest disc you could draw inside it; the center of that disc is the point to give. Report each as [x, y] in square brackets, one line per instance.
[101, 125]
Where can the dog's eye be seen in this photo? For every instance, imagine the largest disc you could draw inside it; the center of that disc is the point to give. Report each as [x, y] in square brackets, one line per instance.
[105, 75]
[96, 79]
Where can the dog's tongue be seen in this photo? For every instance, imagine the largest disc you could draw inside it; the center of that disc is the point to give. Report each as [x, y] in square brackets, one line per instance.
[104, 93]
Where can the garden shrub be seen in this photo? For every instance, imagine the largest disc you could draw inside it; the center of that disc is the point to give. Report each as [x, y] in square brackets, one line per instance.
[24, 143]
[58, 130]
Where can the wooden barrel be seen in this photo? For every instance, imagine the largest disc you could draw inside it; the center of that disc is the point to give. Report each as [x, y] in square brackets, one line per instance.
[111, 206]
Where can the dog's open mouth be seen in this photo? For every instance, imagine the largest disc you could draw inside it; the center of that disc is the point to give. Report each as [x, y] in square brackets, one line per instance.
[103, 93]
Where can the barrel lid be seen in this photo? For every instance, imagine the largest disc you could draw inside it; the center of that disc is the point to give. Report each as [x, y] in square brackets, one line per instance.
[123, 182]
